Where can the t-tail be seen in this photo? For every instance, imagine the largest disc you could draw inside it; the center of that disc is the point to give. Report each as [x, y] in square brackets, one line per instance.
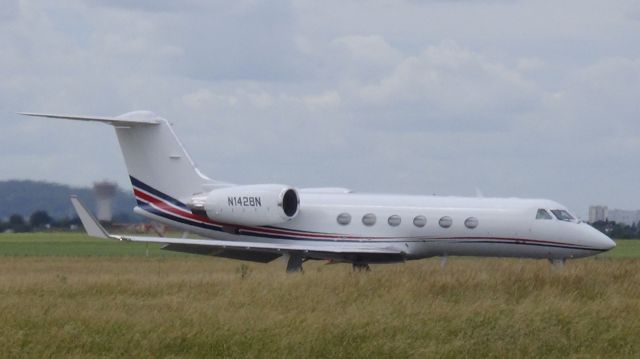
[156, 159]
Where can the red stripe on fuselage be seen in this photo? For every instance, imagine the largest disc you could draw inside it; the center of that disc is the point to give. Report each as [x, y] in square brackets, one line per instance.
[161, 204]
[171, 209]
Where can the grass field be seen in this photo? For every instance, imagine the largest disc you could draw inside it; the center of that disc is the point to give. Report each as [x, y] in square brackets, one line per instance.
[77, 303]
[73, 244]
[625, 248]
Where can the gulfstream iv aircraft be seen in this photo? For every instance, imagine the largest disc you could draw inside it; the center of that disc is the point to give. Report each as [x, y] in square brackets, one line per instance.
[263, 222]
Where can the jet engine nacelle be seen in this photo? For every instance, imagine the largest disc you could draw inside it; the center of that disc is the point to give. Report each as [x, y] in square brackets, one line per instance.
[252, 205]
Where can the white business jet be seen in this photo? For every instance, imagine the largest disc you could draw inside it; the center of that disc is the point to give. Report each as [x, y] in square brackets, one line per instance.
[263, 222]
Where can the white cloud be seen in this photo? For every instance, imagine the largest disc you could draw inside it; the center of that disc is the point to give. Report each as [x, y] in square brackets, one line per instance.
[611, 85]
[366, 51]
[521, 98]
[325, 99]
[203, 98]
[450, 87]
[528, 64]
[9, 10]
[448, 76]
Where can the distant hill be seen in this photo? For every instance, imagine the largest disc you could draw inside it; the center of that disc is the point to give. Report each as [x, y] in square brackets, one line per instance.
[25, 197]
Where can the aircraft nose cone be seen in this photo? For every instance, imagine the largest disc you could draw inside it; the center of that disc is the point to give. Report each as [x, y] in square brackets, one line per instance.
[608, 243]
[603, 241]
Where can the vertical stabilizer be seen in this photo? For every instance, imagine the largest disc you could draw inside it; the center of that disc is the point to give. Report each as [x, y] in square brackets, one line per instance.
[156, 160]
[155, 157]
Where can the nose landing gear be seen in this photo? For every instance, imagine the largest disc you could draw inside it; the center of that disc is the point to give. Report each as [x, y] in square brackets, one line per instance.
[557, 263]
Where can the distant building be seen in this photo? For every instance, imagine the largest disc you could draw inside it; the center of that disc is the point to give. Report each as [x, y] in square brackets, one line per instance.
[603, 213]
[598, 213]
[627, 217]
[104, 192]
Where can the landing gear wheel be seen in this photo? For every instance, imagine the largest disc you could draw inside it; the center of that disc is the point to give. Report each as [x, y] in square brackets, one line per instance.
[359, 267]
[557, 263]
[294, 264]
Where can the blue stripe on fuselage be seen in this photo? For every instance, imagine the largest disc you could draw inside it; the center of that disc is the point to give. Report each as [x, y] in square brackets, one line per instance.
[155, 192]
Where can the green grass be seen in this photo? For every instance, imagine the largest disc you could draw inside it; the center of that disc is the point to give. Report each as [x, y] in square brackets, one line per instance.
[65, 295]
[625, 248]
[73, 244]
[204, 307]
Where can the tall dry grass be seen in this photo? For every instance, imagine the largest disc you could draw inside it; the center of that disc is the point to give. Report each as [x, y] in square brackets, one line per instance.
[203, 307]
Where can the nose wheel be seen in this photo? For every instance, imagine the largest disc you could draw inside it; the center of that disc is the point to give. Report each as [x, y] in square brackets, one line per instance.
[557, 263]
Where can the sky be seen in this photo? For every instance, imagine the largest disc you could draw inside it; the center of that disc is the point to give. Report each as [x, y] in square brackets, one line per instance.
[510, 98]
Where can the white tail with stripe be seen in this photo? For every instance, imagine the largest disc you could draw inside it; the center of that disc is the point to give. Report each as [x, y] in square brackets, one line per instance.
[153, 153]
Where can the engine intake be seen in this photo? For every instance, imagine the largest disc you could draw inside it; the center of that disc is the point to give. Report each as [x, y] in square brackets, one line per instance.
[253, 205]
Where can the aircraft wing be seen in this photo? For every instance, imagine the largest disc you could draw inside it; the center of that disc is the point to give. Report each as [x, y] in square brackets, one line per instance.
[278, 248]
[254, 251]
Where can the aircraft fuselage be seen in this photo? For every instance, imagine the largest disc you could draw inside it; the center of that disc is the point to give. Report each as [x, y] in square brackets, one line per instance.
[456, 226]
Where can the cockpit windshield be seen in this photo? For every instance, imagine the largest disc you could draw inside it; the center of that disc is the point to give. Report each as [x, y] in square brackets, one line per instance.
[562, 215]
[543, 214]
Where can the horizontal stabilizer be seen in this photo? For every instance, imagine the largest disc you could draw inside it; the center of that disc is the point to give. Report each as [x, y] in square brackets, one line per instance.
[326, 190]
[130, 119]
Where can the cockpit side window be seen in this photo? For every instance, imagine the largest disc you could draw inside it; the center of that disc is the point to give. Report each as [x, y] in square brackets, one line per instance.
[543, 214]
[562, 215]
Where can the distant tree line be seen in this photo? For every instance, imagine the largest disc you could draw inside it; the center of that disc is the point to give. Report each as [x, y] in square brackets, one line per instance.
[35, 206]
[25, 197]
[618, 230]
[41, 220]
[38, 221]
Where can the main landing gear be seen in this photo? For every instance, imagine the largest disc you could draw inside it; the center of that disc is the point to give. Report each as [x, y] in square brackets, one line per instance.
[361, 267]
[294, 264]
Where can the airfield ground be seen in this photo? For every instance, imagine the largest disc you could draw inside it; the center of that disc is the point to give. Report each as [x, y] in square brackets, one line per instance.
[65, 295]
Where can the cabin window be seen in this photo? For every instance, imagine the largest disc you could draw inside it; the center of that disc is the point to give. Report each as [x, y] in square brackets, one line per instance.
[471, 222]
[369, 219]
[394, 220]
[344, 218]
[445, 222]
[543, 214]
[562, 215]
[420, 221]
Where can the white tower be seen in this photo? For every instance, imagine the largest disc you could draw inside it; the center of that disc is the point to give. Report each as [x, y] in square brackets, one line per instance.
[104, 192]
[598, 213]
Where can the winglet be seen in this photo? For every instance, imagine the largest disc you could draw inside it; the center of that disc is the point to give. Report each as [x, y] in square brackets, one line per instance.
[90, 223]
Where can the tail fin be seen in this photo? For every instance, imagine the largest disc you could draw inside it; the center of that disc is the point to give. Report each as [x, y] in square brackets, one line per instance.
[155, 158]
